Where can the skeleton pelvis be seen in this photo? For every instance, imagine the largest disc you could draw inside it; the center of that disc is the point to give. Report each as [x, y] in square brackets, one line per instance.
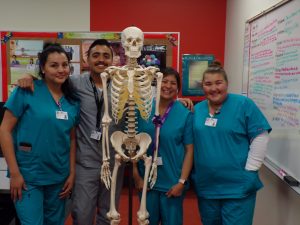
[131, 147]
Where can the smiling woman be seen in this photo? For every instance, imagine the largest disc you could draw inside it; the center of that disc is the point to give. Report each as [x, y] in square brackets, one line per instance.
[175, 154]
[41, 159]
[230, 138]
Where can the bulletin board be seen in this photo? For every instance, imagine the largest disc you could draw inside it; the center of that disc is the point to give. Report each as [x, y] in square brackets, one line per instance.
[19, 51]
[272, 78]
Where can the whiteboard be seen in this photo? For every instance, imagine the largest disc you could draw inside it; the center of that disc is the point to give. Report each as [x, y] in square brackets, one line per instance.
[272, 65]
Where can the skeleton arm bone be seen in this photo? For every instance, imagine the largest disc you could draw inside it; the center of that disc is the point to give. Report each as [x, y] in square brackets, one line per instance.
[106, 120]
[159, 77]
[105, 168]
[153, 172]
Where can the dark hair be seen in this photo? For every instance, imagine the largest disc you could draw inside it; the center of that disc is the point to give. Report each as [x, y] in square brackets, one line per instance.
[48, 49]
[99, 42]
[170, 71]
[215, 67]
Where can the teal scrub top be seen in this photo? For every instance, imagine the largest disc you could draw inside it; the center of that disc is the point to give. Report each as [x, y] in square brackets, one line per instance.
[175, 134]
[221, 151]
[47, 162]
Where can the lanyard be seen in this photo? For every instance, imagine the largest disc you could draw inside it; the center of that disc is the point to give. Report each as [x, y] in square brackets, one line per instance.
[159, 121]
[99, 103]
[59, 105]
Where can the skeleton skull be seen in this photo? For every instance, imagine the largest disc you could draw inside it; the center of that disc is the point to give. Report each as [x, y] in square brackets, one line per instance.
[132, 39]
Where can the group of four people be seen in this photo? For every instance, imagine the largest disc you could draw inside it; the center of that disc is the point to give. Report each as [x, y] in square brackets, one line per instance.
[224, 140]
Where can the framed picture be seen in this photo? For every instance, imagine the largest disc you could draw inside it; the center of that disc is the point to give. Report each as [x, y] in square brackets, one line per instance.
[193, 67]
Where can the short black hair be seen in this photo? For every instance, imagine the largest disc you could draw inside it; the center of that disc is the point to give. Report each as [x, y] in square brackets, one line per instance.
[170, 71]
[99, 42]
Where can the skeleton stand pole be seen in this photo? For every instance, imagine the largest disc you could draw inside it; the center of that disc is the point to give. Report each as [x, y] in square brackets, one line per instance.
[130, 193]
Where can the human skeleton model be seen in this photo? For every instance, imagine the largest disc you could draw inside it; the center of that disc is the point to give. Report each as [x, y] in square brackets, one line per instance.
[130, 89]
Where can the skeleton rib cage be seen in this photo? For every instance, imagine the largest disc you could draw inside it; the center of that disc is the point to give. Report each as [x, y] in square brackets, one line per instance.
[140, 98]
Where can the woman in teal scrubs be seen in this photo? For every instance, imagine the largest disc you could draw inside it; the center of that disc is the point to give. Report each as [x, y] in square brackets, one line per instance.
[231, 136]
[38, 141]
[175, 154]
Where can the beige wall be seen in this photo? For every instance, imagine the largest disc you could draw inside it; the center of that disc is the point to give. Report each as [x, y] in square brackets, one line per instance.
[238, 12]
[43, 15]
[277, 203]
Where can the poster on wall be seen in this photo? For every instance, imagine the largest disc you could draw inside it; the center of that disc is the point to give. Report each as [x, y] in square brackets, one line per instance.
[119, 58]
[73, 51]
[193, 67]
[23, 55]
[154, 55]
[74, 54]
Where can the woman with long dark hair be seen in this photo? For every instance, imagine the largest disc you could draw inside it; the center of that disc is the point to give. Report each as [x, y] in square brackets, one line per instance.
[38, 141]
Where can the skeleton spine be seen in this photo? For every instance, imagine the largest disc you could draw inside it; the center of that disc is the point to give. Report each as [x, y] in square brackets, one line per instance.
[131, 126]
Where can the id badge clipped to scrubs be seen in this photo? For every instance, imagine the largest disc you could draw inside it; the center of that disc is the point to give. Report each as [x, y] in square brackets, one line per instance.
[211, 122]
[96, 135]
[61, 115]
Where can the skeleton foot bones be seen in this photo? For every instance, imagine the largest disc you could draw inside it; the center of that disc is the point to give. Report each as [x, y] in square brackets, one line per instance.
[130, 91]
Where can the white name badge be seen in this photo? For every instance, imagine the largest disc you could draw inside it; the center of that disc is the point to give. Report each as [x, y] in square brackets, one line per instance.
[61, 115]
[159, 161]
[211, 122]
[96, 135]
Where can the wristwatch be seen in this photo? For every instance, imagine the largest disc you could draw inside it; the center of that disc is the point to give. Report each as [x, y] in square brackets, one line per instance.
[182, 181]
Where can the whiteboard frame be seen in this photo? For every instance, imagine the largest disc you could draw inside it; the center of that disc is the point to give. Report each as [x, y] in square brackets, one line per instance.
[264, 12]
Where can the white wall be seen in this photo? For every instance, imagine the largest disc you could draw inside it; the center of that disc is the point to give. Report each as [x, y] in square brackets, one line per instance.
[44, 15]
[277, 204]
[238, 12]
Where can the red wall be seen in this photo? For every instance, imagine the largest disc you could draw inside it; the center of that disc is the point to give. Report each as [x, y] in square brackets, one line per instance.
[201, 23]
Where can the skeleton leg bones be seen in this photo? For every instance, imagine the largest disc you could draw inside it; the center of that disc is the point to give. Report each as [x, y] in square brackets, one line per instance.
[143, 214]
[113, 215]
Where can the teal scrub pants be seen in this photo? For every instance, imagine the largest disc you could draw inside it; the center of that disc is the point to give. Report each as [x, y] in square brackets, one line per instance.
[227, 211]
[40, 205]
[168, 211]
